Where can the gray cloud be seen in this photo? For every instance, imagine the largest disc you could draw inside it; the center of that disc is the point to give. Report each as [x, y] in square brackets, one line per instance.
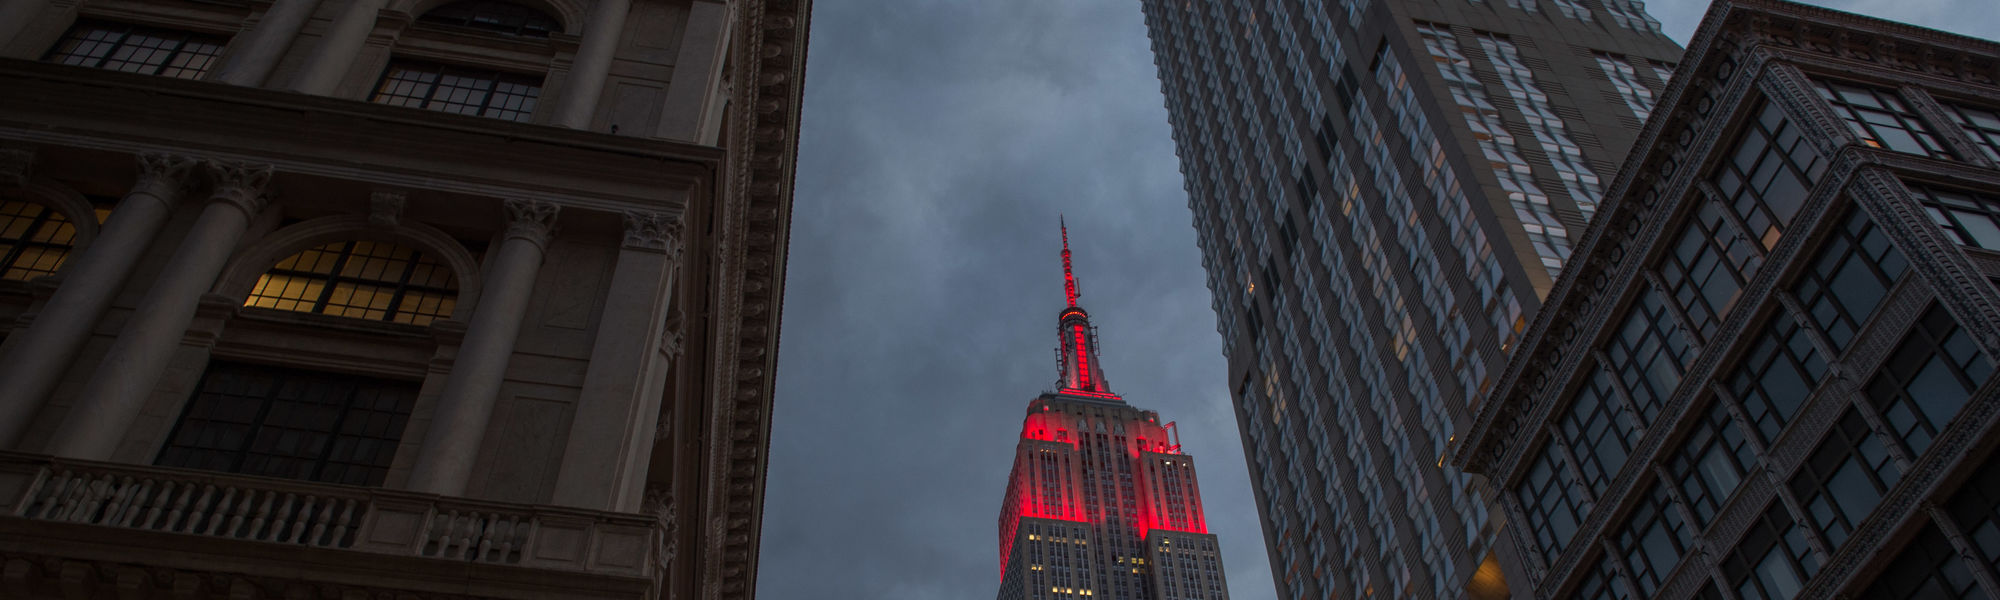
[941, 140]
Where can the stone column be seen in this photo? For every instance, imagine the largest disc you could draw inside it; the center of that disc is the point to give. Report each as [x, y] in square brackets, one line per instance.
[35, 362]
[611, 438]
[337, 48]
[593, 64]
[458, 425]
[258, 50]
[124, 380]
[15, 15]
[691, 96]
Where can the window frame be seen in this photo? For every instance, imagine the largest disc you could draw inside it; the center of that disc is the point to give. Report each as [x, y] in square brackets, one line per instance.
[493, 79]
[342, 253]
[1838, 96]
[63, 51]
[334, 432]
[1817, 483]
[1934, 335]
[1819, 287]
[1780, 338]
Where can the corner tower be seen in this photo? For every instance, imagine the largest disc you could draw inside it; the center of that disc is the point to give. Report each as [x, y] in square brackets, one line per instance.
[1101, 502]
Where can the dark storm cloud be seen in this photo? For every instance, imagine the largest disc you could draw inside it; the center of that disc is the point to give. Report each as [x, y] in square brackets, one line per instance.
[941, 141]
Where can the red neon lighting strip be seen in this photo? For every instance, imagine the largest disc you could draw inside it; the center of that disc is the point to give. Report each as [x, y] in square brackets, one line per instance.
[1082, 359]
[1069, 280]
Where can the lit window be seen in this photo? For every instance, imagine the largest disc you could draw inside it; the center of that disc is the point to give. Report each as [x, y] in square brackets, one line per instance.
[137, 49]
[499, 17]
[34, 240]
[376, 281]
[460, 90]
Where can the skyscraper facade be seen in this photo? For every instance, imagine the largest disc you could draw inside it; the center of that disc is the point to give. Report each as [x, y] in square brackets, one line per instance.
[427, 299]
[1772, 373]
[1382, 191]
[1101, 502]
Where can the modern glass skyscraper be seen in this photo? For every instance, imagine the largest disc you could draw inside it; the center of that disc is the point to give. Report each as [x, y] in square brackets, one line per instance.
[1101, 502]
[1383, 190]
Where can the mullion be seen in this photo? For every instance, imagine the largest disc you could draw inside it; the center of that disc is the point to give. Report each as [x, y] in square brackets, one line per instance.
[403, 285]
[124, 35]
[333, 278]
[27, 238]
[333, 434]
[168, 61]
[267, 397]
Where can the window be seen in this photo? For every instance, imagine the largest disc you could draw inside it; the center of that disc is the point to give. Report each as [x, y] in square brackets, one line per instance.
[1554, 502]
[1770, 170]
[377, 281]
[1772, 561]
[1844, 478]
[1848, 278]
[1774, 377]
[1653, 539]
[1603, 583]
[1648, 353]
[1622, 76]
[460, 90]
[1880, 118]
[1976, 509]
[1711, 462]
[34, 240]
[137, 49]
[1969, 219]
[1982, 125]
[273, 422]
[1599, 430]
[499, 17]
[1927, 568]
[1707, 267]
[1929, 376]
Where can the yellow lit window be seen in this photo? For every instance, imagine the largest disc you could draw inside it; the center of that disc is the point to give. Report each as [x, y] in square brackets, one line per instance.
[377, 281]
[34, 240]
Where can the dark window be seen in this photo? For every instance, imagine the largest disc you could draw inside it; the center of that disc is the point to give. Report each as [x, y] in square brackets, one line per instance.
[1653, 539]
[1880, 118]
[1711, 461]
[137, 49]
[274, 422]
[1648, 353]
[502, 17]
[1774, 377]
[1603, 583]
[1980, 124]
[1976, 509]
[1848, 278]
[376, 281]
[1772, 561]
[461, 90]
[1927, 379]
[1707, 267]
[34, 240]
[1844, 478]
[1970, 219]
[1929, 569]
[1769, 171]
[1554, 502]
[1599, 430]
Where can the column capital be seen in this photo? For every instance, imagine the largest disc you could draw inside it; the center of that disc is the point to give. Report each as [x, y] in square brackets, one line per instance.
[161, 173]
[531, 220]
[385, 207]
[240, 184]
[656, 231]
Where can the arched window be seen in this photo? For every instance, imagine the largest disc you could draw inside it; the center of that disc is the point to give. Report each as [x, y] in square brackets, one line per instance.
[378, 281]
[34, 240]
[499, 17]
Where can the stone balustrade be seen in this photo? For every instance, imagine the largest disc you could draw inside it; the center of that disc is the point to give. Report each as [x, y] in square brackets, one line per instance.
[303, 513]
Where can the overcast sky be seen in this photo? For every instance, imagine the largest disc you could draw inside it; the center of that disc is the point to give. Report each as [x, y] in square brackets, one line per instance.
[941, 140]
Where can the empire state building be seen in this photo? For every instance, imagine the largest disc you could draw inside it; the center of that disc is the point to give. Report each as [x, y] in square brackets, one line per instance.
[1101, 502]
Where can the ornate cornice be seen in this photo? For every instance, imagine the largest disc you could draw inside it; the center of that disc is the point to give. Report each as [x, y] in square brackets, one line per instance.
[531, 220]
[768, 58]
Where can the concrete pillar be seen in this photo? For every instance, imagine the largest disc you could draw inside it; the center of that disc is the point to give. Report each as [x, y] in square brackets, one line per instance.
[451, 445]
[611, 438]
[337, 49]
[255, 52]
[15, 16]
[593, 64]
[90, 278]
[691, 96]
[124, 380]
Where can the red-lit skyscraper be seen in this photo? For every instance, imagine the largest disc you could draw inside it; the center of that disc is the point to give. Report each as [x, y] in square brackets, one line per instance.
[1101, 502]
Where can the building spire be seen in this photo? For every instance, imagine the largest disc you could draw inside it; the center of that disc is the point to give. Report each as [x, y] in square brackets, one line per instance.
[1080, 372]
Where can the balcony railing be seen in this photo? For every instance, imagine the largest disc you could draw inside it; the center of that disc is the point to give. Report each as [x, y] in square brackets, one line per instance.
[303, 513]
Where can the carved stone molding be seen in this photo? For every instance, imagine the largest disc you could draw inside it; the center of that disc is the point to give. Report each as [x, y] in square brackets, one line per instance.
[532, 220]
[162, 175]
[240, 184]
[385, 207]
[656, 231]
[16, 167]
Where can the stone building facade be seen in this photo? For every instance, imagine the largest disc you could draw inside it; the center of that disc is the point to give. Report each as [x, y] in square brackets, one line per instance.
[390, 298]
[1769, 371]
[1383, 191]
